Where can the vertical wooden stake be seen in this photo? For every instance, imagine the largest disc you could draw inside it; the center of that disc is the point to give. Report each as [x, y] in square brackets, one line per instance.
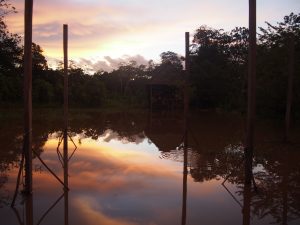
[186, 85]
[290, 86]
[186, 111]
[65, 46]
[66, 156]
[251, 91]
[28, 96]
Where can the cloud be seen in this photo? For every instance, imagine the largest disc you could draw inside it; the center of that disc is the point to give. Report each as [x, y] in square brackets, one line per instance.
[108, 63]
[115, 28]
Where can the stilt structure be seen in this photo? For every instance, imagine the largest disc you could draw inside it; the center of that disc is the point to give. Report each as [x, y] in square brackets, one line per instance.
[249, 145]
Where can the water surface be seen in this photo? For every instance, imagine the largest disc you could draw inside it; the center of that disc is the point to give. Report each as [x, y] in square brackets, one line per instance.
[132, 168]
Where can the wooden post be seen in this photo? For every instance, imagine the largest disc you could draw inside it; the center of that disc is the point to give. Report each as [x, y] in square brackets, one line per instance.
[65, 46]
[290, 86]
[186, 86]
[65, 155]
[28, 96]
[186, 111]
[249, 146]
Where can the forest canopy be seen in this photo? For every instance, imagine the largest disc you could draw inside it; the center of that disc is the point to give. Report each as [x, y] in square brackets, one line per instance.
[218, 71]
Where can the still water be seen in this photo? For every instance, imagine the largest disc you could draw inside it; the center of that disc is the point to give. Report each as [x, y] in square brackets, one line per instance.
[131, 168]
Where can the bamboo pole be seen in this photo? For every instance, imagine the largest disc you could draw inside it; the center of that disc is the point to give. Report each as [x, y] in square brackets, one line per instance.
[290, 86]
[28, 95]
[249, 146]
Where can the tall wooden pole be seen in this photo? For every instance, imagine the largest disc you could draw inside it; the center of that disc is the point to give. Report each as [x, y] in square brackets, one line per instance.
[186, 111]
[65, 46]
[290, 86]
[28, 95]
[249, 146]
[65, 156]
[186, 85]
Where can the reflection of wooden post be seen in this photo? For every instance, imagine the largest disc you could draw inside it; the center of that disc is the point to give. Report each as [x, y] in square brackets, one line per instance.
[285, 190]
[290, 87]
[66, 190]
[184, 186]
[65, 156]
[249, 146]
[186, 85]
[28, 95]
[247, 202]
[151, 103]
[29, 210]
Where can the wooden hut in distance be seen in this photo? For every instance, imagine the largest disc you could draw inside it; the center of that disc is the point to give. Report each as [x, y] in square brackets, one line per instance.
[165, 88]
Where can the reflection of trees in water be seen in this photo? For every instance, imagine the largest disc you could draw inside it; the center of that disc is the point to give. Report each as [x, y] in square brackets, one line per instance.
[3, 180]
[279, 184]
[276, 171]
[126, 127]
[11, 145]
[216, 152]
[214, 165]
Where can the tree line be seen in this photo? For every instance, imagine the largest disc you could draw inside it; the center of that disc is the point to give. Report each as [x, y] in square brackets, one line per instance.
[218, 72]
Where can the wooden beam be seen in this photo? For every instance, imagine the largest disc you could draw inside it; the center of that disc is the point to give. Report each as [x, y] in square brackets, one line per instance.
[28, 95]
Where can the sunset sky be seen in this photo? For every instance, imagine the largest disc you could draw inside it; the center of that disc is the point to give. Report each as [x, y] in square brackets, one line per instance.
[103, 33]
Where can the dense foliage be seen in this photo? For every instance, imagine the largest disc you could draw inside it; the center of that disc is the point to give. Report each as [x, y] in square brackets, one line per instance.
[218, 71]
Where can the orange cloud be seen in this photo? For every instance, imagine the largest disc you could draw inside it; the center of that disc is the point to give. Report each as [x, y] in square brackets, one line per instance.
[117, 28]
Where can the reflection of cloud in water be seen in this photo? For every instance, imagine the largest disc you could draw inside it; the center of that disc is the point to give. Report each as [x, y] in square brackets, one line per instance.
[107, 136]
[92, 214]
